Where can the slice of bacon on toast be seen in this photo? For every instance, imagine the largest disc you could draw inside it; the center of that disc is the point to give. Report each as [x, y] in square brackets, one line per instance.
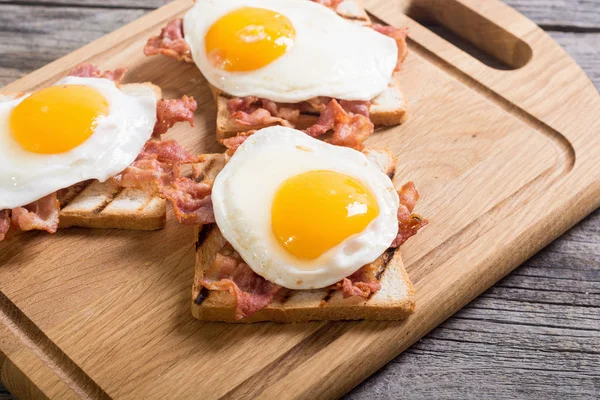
[239, 115]
[92, 204]
[226, 289]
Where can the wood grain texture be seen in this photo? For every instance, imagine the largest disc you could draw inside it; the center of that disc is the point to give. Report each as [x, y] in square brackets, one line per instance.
[514, 339]
[553, 13]
[565, 15]
[534, 335]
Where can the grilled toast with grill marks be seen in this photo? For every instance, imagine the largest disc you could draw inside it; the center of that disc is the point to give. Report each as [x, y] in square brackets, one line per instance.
[395, 300]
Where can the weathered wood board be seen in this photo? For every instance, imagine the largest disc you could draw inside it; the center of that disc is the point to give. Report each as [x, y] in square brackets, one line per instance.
[504, 165]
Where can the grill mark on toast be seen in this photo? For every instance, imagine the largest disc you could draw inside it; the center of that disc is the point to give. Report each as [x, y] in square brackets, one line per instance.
[203, 295]
[286, 296]
[202, 235]
[207, 166]
[387, 257]
[77, 189]
[107, 202]
[327, 297]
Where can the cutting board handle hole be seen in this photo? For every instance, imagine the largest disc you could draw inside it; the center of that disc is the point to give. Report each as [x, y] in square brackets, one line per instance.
[473, 33]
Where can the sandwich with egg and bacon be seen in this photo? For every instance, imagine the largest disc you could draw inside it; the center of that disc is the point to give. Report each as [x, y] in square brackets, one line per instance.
[88, 151]
[305, 230]
[317, 66]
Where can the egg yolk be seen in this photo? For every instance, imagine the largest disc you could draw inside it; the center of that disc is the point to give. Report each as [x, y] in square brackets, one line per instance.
[315, 211]
[248, 39]
[57, 119]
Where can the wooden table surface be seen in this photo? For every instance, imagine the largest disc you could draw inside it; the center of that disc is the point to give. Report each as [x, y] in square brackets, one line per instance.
[535, 334]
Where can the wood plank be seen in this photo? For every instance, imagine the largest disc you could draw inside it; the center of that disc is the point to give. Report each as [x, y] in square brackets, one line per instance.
[537, 327]
[585, 50]
[35, 36]
[560, 14]
[477, 321]
[107, 4]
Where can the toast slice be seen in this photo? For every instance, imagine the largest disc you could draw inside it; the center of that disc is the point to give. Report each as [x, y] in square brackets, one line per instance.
[387, 109]
[395, 300]
[92, 204]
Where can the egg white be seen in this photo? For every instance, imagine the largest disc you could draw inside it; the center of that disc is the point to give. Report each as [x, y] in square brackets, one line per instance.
[243, 196]
[331, 56]
[116, 142]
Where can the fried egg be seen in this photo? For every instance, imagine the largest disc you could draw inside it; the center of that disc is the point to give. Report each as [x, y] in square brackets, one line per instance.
[287, 51]
[303, 213]
[78, 129]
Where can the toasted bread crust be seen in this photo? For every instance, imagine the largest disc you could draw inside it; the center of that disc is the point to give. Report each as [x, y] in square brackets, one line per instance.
[106, 205]
[393, 112]
[380, 114]
[395, 300]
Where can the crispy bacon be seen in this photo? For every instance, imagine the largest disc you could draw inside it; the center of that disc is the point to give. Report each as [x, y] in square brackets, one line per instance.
[170, 42]
[87, 70]
[399, 35]
[229, 273]
[349, 120]
[254, 111]
[329, 3]
[408, 223]
[167, 151]
[39, 215]
[234, 142]
[362, 283]
[169, 112]
[356, 107]
[4, 223]
[259, 117]
[349, 130]
[148, 172]
[191, 201]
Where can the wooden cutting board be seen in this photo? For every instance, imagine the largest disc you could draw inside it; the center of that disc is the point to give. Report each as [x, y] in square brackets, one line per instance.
[506, 160]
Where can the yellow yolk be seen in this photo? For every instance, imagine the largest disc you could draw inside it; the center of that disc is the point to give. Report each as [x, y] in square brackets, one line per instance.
[57, 119]
[248, 39]
[315, 211]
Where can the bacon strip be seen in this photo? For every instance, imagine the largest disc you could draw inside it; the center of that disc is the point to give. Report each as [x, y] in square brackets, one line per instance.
[229, 273]
[349, 120]
[356, 107]
[158, 165]
[362, 283]
[408, 223]
[191, 201]
[399, 35]
[39, 215]
[4, 223]
[169, 112]
[167, 151]
[254, 111]
[234, 142]
[148, 172]
[349, 130]
[87, 70]
[170, 42]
